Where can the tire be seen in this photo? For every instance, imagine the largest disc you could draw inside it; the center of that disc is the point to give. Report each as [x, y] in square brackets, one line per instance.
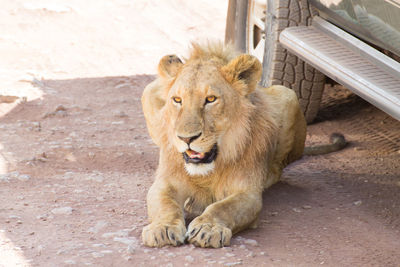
[248, 33]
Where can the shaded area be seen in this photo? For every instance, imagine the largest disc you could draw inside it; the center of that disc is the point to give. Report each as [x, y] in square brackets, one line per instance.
[365, 125]
[339, 103]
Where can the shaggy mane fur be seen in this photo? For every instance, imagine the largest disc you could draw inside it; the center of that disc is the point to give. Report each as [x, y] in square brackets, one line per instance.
[212, 51]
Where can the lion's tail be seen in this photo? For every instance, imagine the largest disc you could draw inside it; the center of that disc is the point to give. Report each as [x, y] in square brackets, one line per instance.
[337, 142]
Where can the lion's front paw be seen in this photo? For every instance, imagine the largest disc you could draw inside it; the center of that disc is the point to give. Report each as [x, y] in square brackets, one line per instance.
[158, 235]
[205, 234]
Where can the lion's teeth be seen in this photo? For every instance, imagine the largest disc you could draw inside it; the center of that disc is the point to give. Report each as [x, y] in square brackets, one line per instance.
[193, 154]
[199, 155]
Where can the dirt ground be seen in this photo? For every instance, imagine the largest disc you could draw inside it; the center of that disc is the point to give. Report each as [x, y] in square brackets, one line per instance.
[76, 160]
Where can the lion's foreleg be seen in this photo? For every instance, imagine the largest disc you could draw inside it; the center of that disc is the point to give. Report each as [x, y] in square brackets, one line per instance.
[215, 226]
[165, 210]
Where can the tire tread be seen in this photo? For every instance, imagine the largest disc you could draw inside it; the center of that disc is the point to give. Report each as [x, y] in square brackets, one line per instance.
[298, 75]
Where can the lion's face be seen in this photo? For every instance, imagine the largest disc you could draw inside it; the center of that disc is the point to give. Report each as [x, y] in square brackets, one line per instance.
[203, 103]
[198, 102]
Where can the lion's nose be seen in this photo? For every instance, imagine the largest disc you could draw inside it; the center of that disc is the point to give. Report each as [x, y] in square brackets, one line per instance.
[190, 139]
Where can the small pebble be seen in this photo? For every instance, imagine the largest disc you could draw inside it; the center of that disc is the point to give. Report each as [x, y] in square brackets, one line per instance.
[296, 210]
[42, 217]
[120, 114]
[99, 245]
[24, 177]
[131, 248]
[250, 255]
[4, 178]
[125, 240]
[62, 211]
[233, 263]
[60, 108]
[70, 262]
[97, 255]
[189, 258]
[39, 250]
[95, 178]
[251, 242]
[61, 251]
[99, 225]
[128, 258]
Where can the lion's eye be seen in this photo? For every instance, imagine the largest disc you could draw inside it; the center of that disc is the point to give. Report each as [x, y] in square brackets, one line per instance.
[177, 99]
[210, 99]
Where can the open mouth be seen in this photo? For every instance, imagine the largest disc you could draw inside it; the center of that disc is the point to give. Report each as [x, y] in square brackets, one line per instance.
[192, 156]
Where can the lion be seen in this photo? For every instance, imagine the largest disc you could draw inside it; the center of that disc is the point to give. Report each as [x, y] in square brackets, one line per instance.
[223, 139]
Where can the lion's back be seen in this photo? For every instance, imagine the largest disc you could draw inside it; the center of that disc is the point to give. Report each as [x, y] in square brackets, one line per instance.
[291, 124]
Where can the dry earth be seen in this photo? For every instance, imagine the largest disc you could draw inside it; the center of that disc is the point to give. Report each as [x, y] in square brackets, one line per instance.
[76, 160]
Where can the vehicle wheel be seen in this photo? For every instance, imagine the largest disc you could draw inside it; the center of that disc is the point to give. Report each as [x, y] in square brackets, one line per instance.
[253, 26]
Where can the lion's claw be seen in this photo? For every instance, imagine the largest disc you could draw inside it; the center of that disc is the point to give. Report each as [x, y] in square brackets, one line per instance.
[157, 235]
[208, 235]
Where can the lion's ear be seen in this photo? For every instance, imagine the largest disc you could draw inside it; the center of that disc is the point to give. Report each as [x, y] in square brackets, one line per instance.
[244, 70]
[169, 66]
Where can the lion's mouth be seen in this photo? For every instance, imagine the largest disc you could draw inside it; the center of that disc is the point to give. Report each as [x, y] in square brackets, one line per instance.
[192, 156]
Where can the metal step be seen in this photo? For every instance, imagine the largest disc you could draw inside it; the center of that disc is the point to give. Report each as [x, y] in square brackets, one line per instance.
[349, 61]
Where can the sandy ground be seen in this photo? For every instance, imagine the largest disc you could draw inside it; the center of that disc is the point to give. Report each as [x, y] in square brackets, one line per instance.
[76, 160]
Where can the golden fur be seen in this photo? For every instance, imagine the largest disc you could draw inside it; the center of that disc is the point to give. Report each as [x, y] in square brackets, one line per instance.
[255, 131]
